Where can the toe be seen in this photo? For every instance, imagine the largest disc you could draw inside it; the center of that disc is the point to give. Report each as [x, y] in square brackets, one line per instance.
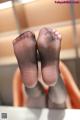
[19, 38]
[57, 35]
[43, 31]
[29, 34]
[44, 38]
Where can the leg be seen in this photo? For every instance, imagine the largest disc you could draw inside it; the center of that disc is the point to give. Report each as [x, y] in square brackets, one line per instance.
[57, 95]
[36, 97]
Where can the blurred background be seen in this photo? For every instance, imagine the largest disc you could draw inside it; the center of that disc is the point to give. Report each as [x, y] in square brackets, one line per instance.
[17, 16]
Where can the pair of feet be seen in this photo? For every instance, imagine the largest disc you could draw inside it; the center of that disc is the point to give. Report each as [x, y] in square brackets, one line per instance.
[47, 47]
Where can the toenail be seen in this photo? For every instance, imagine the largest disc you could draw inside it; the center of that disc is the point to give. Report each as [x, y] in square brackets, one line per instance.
[29, 34]
[59, 36]
[44, 30]
[57, 33]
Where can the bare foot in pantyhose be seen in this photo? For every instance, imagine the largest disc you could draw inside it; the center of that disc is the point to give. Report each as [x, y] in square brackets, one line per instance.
[25, 51]
[26, 54]
[49, 44]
